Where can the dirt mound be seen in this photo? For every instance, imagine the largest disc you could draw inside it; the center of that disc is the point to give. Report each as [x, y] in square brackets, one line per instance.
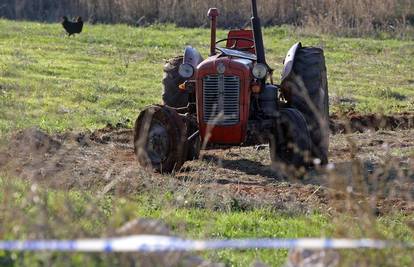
[70, 159]
[353, 122]
[103, 161]
[33, 140]
[30, 149]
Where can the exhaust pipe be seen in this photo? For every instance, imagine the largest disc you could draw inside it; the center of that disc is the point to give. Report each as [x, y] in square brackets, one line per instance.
[257, 34]
[213, 14]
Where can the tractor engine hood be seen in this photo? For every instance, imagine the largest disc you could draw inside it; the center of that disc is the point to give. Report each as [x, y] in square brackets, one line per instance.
[223, 98]
[231, 64]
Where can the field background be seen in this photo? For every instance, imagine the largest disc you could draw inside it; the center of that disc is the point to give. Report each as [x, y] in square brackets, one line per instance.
[107, 74]
[345, 17]
[110, 72]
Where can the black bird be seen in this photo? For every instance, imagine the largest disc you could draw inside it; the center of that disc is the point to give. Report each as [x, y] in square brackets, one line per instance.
[72, 27]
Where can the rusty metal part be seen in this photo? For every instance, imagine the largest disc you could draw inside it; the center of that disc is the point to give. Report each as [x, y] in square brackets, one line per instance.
[213, 14]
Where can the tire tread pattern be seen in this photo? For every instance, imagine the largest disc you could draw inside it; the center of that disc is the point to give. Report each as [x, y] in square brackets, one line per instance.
[309, 68]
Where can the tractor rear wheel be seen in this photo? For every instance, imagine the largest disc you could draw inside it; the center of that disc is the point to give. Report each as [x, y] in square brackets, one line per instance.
[160, 139]
[290, 141]
[172, 95]
[306, 89]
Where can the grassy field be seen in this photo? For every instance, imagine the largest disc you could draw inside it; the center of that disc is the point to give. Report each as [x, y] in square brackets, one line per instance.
[109, 73]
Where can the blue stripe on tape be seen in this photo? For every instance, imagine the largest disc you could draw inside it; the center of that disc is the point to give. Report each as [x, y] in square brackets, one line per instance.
[108, 246]
[148, 243]
[328, 243]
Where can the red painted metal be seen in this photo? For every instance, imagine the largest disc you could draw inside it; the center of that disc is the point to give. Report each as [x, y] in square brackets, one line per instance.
[213, 14]
[248, 34]
[234, 134]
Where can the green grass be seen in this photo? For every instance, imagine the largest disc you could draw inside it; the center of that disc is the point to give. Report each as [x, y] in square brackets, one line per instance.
[34, 212]
[110, 72]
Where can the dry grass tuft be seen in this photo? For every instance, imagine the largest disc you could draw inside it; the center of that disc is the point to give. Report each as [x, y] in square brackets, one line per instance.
[349, 17]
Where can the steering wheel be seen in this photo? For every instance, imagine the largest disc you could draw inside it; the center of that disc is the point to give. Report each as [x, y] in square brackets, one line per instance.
[236, 39]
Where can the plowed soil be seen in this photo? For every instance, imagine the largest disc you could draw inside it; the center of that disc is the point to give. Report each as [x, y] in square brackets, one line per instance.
[374, 168]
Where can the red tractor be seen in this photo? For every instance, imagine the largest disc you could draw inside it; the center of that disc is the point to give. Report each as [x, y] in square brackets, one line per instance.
[229, 99]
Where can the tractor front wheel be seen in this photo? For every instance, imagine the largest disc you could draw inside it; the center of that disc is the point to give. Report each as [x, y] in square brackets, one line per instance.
[193, 138]
[160, 139]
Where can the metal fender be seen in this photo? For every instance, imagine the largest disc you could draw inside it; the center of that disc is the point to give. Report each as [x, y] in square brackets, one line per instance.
[289, 60]
[192, 57]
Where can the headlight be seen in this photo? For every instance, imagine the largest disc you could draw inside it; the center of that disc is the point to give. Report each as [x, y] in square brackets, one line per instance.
[259, 71]
[186, 70]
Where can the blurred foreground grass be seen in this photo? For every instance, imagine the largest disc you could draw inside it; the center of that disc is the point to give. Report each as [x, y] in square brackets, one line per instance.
[45, 213]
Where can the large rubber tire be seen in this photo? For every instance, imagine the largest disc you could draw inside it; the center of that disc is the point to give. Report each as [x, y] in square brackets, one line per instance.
[160, 139]
[306, 89]
[172, 95]
[290, 142]
[193, 145]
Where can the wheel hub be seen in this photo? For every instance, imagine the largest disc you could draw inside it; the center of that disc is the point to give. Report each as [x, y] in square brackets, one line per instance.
[158, 143]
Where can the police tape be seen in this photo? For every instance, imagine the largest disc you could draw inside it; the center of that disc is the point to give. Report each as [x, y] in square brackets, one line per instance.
[152, 243]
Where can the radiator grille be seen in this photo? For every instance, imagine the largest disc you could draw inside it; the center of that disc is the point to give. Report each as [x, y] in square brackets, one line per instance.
[221, 99]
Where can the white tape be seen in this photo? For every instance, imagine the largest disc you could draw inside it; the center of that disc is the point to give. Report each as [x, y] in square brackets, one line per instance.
[151, 243]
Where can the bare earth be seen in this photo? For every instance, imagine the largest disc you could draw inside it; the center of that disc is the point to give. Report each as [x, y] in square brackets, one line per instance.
[374, 167]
